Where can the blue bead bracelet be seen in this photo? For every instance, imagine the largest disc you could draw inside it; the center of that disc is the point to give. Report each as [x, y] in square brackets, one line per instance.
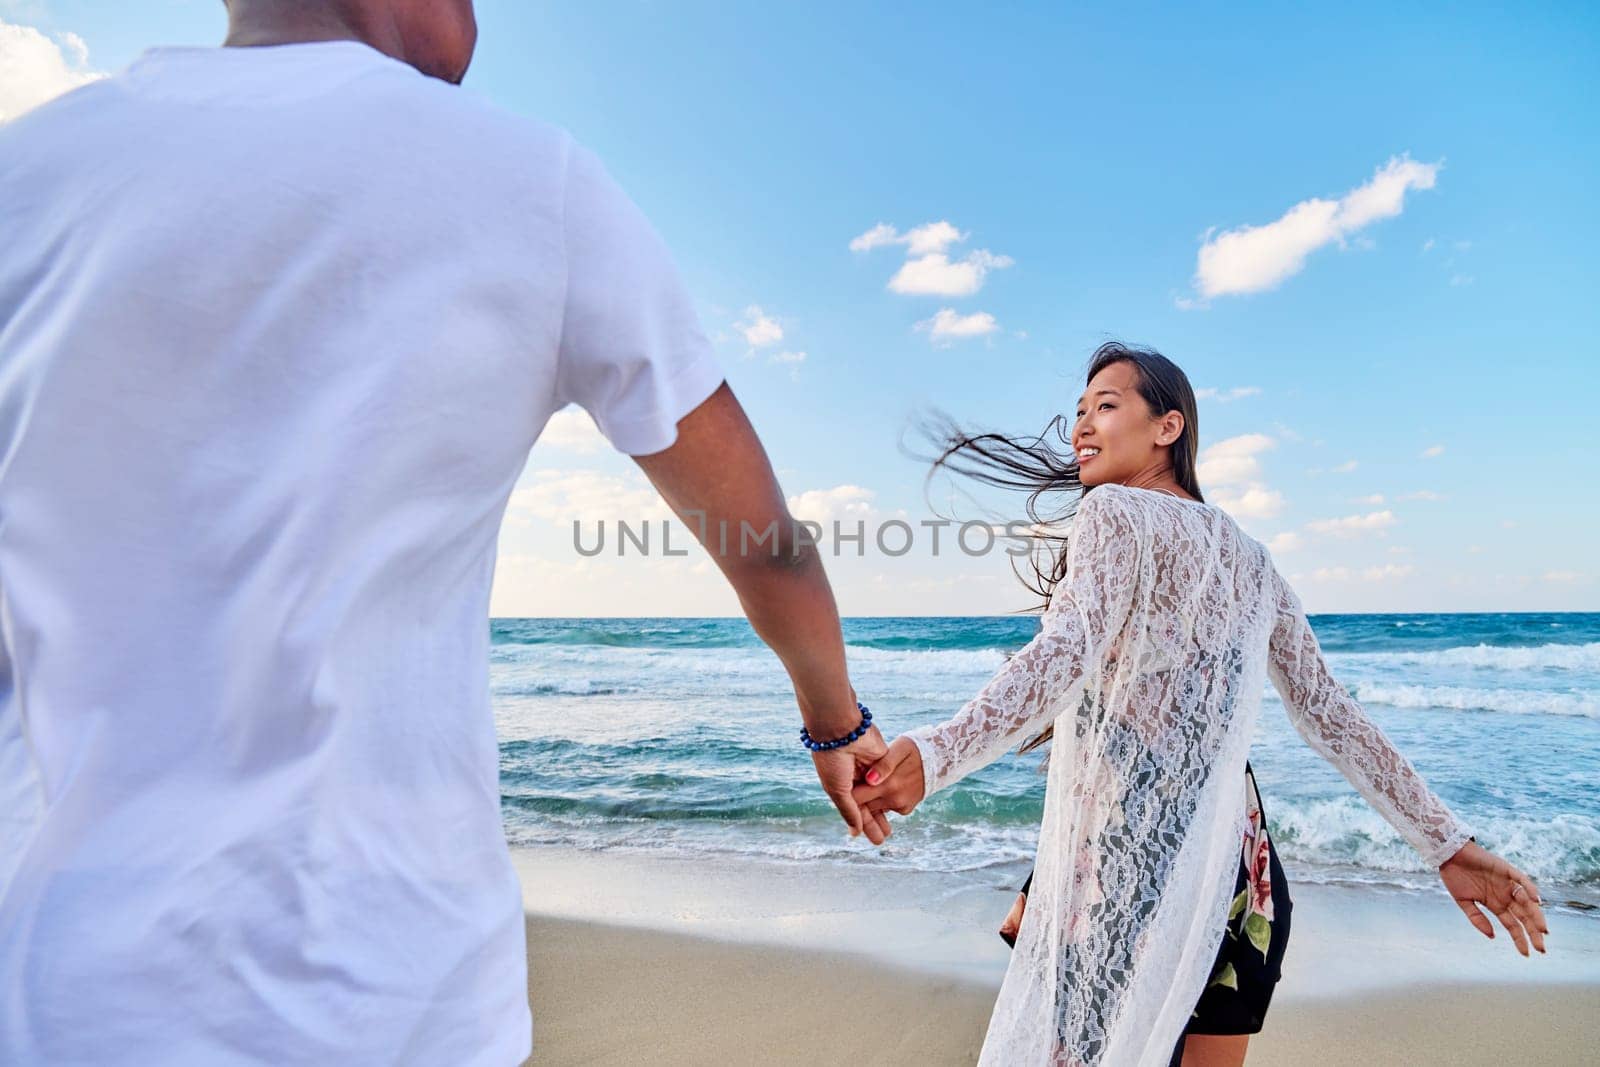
[853, 735]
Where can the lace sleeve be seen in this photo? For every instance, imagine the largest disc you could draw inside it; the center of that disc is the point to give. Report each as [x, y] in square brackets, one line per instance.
[1087, 610]
[1333, 724]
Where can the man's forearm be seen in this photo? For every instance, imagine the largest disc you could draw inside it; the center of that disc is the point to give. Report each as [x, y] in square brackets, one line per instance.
[791, 607]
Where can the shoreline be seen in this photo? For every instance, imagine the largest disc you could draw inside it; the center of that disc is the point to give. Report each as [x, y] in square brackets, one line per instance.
[1346, 940]
[606, 994]
[676, 960]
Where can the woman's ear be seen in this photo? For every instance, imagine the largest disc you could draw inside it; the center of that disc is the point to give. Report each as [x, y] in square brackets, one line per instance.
[1171, 428]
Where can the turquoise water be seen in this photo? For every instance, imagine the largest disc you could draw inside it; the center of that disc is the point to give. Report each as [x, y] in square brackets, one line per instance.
[679, 736]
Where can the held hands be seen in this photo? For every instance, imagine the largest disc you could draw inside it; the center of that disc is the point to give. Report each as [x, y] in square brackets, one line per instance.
[840, 769]
[1475, 876]
[893, 783]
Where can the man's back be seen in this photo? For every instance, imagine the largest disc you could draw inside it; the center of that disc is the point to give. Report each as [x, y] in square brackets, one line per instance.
[278, 327]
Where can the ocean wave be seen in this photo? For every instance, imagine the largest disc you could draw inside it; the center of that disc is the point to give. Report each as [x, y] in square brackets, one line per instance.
[578, 687]
[618, 633]
[1560, 657]
[927, 660]
[1346, 831]
[1459, 698]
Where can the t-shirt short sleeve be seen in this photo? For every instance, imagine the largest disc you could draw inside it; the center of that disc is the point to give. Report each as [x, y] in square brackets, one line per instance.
[632, 352]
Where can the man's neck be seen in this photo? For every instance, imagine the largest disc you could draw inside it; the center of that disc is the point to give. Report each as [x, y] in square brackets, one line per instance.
[253, 25]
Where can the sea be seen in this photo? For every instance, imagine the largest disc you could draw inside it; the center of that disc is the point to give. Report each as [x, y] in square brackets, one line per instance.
[679, 736]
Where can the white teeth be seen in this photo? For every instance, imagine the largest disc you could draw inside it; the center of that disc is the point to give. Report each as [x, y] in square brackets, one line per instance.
[1090, 452]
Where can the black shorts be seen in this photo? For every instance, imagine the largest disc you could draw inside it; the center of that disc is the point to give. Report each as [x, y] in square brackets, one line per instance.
[1250, 959]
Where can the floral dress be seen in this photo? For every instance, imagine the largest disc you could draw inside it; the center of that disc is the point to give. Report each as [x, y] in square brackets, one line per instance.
[1250, 959]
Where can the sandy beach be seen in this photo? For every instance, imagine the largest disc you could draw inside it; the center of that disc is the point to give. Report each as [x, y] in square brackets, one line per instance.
[613, 995]
[811, 969]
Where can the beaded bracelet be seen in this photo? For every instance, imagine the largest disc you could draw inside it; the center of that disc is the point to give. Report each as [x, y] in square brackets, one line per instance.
[853, 735]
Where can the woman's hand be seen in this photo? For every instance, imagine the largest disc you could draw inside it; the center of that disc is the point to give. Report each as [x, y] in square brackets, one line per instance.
[1013, 920]
[1475, 876]
[840, 769]
[894, 783]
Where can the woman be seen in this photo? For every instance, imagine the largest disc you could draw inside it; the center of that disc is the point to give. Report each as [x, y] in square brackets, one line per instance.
[1163, 621]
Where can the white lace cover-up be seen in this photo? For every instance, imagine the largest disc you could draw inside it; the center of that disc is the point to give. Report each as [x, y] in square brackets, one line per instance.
[1151, 661]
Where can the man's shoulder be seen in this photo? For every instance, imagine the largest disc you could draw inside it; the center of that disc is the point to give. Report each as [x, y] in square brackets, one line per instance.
[470, 113]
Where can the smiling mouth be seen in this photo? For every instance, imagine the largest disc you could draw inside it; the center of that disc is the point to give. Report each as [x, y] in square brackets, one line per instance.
[1086, 455]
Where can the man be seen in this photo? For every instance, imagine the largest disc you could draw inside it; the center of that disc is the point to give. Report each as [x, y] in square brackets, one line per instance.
[279, 323]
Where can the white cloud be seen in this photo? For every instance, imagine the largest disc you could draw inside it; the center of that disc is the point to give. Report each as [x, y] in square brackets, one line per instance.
[825, 505]
[758, 328]
[1346, 467]
[928, 269]
[1353, 525]
[947, 326]
[880, 235]
[1427, 246]
[935, 274]
[1342, 575]
[1421, 494]
[792, 360]
[1288, 541]
[1225, 395]
[33, 68]
[1565, 577]
[1230, 473]
[1459, 280]
[1432, 450]
[586, 496]
[1232, 461]
[921, 240]
[1375, 500]
[1251, 259]
[572, 430]
[1254, 501]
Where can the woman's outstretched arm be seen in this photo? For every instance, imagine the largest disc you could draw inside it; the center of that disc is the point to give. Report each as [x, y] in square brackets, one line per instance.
[1336, 726]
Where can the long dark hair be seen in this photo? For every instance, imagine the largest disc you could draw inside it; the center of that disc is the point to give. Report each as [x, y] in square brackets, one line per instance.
[1034, 465]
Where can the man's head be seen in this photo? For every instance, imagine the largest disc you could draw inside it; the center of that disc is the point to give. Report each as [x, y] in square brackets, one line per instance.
[435, 36]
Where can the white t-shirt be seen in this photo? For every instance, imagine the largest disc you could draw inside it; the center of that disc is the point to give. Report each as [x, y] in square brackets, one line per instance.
[278, 327]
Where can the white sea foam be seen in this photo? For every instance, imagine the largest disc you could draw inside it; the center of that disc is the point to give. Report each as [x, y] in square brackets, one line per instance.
[1561, 657]
[1564, 848]
[1460, 698]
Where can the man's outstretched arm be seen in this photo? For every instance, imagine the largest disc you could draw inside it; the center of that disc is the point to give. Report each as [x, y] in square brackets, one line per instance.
[715, 476]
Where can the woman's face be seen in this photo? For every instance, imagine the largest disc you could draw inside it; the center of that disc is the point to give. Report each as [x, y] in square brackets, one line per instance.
[1115, 436]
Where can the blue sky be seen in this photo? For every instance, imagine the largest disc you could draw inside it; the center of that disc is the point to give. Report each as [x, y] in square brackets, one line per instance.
[1396, 207]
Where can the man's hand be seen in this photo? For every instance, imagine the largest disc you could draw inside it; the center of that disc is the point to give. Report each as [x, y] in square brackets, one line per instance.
[1475, 876]
[840, 769]
[894, 783]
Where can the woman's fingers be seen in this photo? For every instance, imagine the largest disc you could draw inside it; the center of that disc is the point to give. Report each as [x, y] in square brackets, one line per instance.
[1532, 919]
[1477, 918]
[1525, 905]
[1513, 926]
[883, 770]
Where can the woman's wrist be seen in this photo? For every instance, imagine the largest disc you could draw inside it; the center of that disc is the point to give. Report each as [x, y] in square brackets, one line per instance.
[1459, 849]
